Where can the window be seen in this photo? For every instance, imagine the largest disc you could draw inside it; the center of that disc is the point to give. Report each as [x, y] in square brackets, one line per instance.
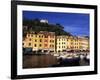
[53, 46]
[52, 40]
[40, 45]
[29, 44]
[30, 39]
[31, 35]
[46, 36]
[35, 35]
[23, 44]
[40, 40]
[39, 36]
[35, 45]
[35, 40]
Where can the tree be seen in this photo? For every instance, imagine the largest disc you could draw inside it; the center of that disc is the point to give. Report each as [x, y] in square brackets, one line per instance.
[36, 25]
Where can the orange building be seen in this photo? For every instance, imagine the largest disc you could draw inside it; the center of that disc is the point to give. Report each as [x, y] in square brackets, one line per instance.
[42, 41]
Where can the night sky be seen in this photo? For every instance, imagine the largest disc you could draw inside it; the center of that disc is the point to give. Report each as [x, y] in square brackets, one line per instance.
[75, 23]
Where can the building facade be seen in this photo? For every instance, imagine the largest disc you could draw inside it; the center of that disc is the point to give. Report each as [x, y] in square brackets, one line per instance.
[42, 41]
[61, 43]
[84, 43]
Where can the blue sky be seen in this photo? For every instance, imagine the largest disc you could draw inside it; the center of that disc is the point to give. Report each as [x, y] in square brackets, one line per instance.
[75, 23]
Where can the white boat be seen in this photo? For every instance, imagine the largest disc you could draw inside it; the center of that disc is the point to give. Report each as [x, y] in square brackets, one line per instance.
[88, 57]
[82, 56]
[62, 56]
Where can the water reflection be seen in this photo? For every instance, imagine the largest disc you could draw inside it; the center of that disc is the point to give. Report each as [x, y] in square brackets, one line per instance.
[48, 60]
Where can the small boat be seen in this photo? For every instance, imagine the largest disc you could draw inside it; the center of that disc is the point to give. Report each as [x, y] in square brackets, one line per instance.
[82, 56]
[88, 57]
[63, 56]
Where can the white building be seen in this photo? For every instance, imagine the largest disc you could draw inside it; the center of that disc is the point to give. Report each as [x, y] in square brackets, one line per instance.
[44, 21]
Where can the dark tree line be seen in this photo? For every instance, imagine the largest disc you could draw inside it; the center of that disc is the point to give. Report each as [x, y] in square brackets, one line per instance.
[36, 25]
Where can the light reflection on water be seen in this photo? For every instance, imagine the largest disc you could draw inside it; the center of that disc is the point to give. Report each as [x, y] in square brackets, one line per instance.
[41, 61]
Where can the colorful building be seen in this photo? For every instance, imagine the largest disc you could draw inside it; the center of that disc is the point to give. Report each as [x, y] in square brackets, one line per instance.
[61, 43]
[42, 41]
[73, 43]
[84, 43]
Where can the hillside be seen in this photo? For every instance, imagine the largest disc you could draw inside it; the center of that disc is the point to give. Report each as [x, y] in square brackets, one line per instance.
[36, 25]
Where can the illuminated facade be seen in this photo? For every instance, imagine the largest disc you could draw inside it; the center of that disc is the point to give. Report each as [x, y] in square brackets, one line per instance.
[84, 43]
[61, 43]
[73, 43]
[47, 42]
[42, 41]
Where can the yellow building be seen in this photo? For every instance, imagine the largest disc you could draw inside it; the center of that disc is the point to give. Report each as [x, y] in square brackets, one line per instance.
[27, 41]
[84, 43]
[68, 43]
[77, 43]
[47, 42]
[51, 41]
[41, 41]
[73, 43]
[61, 43]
